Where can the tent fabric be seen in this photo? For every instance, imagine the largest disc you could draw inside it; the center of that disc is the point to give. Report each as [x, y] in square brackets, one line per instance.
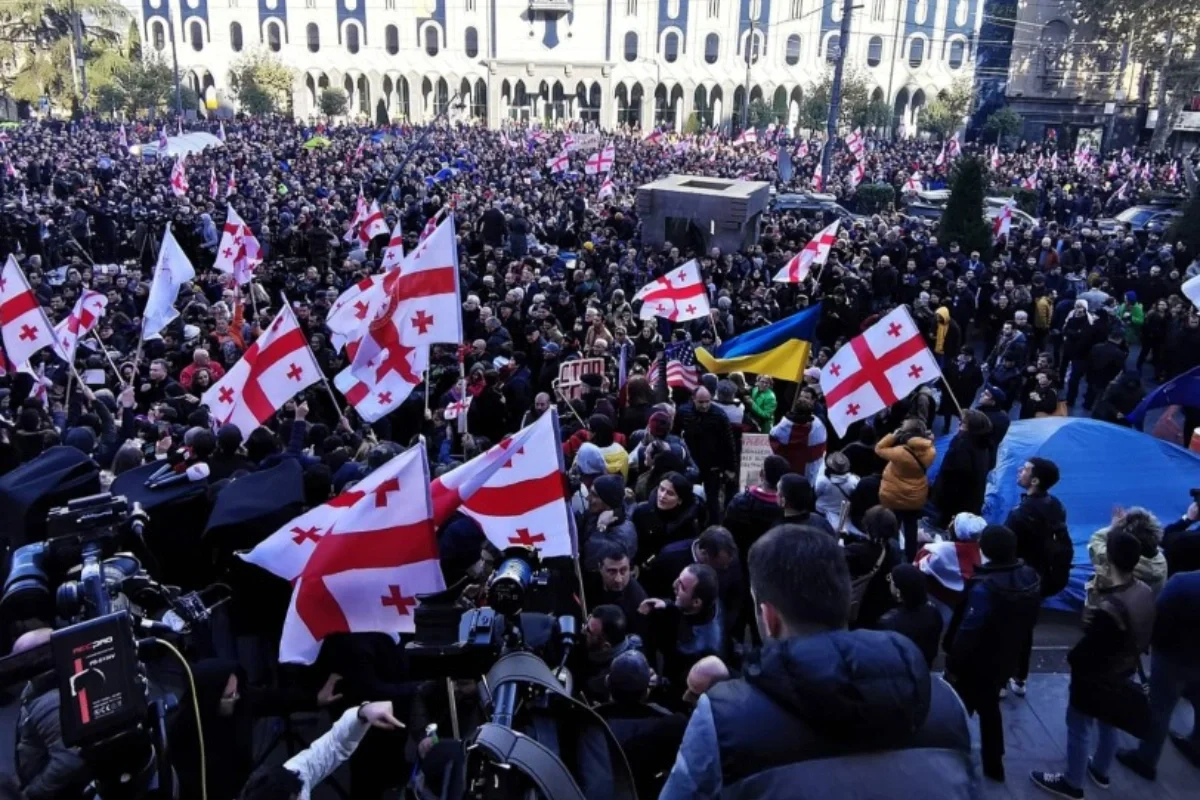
[1101, 465]
[184, 145]
[56, 477]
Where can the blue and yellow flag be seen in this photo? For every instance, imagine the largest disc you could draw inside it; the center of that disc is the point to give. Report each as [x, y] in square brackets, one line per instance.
[779, 349]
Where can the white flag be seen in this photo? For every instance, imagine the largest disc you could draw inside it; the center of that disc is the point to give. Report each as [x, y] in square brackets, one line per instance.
[815, 252]
[679, 295]
[1191, 290]
[23, 323]
[170, 273]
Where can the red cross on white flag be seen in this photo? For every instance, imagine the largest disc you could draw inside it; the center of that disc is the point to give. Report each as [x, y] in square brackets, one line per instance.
[179, 183]
[23, 323]
[272, 371]
[238, 252]
[89, 308]
[606, 189]
[815, 252]
[1003, 223]
[679, 295]
[560, 162]
[515, 491]
[876, 369]
[358, 562]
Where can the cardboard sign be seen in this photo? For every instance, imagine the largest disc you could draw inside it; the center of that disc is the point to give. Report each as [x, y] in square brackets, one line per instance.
[584, 141]
[570, 375]
[755, 449]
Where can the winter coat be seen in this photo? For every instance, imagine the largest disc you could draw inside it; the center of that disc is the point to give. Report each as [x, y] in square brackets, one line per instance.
[905, 486]
[708, 436]
[962, 478]
[1150, 570]
[46, 768]
[841, 714]
[1033, 521]
[986, 633]
[619, 531]
[657, 528]
[923, 625]
[750, 514]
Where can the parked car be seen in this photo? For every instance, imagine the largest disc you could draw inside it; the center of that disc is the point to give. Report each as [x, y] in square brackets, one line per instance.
[814, 205]
[1140, 219]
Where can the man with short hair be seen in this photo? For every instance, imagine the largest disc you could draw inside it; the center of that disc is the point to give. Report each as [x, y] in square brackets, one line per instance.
[753, 512]
[709, 438]
[799, 503]
[613, 583]
[823, 711]
[985, 635]
[691, 627]
[1043, 542]
[714, 547]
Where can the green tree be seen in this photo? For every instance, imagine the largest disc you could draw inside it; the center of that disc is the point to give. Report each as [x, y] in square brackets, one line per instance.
[691, 125]
[133, 41]
[262, 84]
[334, 101]
[189, 98]
[878, 114]
[1003, 122]
[814, 112]
[960, 97]
[1187, 228]
[109, 99]
[939, 119]
[37, 46]
[963, 220]
[147, 85]
[1160, 35]
[761, 114]
[856, 100]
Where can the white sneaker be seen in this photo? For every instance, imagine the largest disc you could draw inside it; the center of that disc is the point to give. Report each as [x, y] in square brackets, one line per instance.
[1017, 687]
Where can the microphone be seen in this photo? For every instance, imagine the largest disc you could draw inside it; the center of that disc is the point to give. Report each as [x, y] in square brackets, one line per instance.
[194, 474]
[174, 462]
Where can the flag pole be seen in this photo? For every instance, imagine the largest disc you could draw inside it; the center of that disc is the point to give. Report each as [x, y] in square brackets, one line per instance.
[308, 346]
[111, 363]
[558, 391]
[427, 388]
[957, 405]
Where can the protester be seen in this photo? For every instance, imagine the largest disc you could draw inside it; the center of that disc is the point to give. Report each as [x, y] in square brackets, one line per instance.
[909, 453]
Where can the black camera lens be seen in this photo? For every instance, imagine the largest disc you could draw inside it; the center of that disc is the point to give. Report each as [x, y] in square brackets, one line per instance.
[27, 593]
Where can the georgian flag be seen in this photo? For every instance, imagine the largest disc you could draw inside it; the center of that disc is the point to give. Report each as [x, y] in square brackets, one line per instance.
[601, 161]
[678, 296]
[360, 215]
[122, 139]
[1003, 223]
[41, 384]
[856, 145]
[954, 149]
[1173, 172]
[24, 327]
[277, 367]
[1123, 192]
[162, 140]
[230, 185]
[818, 178]
[221, 130]
[995, 160]
[815, 252]
[876, 369]
[358, 563]
[213, 186]
[179, 182]
[559, 163]
[516, 492]
[913, 184]
[393, 254]
[748, 136]
[1031, 181]
[857, 173]
[801, 150]
[239, 251]
[653, 137]
[372, 225]
[89, 308]
[1113, 171]
[606, 188]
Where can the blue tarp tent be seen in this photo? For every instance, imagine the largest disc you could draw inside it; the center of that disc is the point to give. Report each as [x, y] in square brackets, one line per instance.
[1102, 465]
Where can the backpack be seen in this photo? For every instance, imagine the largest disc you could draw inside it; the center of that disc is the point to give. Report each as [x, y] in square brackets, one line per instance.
[1060, 553]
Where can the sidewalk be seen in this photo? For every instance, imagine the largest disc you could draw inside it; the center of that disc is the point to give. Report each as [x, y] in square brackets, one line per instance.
[1035, 737]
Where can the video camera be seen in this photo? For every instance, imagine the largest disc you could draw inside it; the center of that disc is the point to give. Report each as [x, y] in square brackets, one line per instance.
[539, 738]
[78, 575]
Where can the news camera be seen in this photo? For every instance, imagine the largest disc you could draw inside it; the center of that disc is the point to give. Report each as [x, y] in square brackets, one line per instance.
[108, 709]
[539, 740]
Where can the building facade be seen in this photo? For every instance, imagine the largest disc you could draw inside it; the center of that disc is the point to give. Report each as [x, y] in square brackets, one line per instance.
[1064, 78]
[610, 62]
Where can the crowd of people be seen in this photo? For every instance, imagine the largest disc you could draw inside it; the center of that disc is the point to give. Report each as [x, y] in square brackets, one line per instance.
[739, 640]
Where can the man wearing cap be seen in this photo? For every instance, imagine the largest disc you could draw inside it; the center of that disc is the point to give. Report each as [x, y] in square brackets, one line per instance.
[607, 519]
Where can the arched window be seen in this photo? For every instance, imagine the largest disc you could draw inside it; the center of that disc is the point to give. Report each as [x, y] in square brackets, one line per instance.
[792, 54]
[472, 42]
[712, 48]
[874, 51]
[235, 37]
[671, 47]
[431, 41]
[196, 32]
[391, 39]
[916, 52]
[352, 38]
[958, 53]
[158, 34]
[833, 46]
[631, 46]
[274, 39]
[313, 33]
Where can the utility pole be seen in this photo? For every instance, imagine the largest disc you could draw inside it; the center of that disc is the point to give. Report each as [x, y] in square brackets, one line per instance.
[835, 93]
[749, 63]
[897, 51]
[1159, 140]
[77, 36]
[174, 61]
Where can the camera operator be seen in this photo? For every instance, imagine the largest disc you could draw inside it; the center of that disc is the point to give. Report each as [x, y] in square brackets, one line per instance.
[648, 733]
[605, 638]
[45, 767]
[1181, 539]
[300, 775]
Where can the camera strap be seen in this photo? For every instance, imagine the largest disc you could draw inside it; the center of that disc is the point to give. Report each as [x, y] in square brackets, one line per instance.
[532, 758]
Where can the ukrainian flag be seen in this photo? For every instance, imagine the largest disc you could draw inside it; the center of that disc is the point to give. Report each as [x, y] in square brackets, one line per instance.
[779, 350]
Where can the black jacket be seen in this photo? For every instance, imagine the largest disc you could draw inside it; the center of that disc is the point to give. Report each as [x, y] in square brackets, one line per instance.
[1033, 521]
[1000, 422]
[999, 607]
[750, 514]
[708, 436]
[1181, 546]
[923, 625]
[46, 768]
[650, 736]
[841, 713]
[962, 478]
[1105, 361]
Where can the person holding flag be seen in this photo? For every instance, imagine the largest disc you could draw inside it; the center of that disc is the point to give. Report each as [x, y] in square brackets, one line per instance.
[171, 272]
[239, 251]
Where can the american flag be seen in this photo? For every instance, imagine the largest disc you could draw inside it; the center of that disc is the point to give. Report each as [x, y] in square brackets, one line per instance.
[681, 366]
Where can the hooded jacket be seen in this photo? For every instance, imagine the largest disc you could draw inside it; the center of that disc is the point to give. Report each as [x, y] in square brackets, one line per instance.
[985, 634]
[838, 714]
[905, 486]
